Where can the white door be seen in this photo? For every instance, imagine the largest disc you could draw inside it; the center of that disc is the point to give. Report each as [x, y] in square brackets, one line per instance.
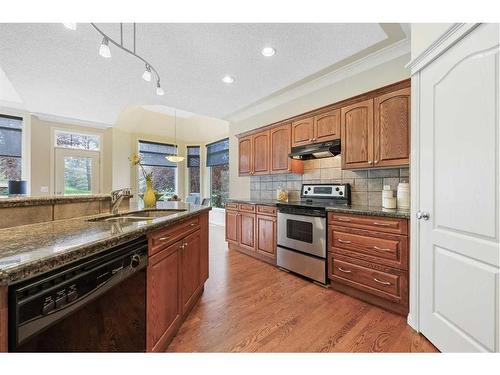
[459, 185]
[76, 172]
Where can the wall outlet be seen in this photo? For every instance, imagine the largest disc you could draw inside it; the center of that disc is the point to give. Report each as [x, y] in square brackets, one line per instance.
[44, 189]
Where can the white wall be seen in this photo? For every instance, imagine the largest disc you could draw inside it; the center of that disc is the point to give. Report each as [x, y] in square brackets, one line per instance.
[423, 34]
[371, 79]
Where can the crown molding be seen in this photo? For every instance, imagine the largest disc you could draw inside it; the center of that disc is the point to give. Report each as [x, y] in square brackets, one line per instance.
[451, 36]
[70, 121]
[368, 62]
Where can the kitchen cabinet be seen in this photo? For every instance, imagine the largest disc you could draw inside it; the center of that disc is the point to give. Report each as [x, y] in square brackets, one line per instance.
[245, 156]
[302, 132]
[391, 133]
[281, 142]
[176, 273]
[357, 135]
[163, 298]
[368, 259]
[190, 270]
[3, 319]
[251, 229]
[260, 153]
[266, 235]
[327, 126]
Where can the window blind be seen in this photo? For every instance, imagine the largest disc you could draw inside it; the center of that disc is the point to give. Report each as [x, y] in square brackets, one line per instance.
[193, 156]
[153, 154]
[218, 153]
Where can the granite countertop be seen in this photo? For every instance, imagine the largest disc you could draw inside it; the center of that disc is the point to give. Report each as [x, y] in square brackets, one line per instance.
[23, 201]
[353, 209]
[30, 250]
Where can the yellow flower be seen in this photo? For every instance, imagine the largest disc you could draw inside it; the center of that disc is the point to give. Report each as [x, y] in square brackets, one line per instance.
[135, 159]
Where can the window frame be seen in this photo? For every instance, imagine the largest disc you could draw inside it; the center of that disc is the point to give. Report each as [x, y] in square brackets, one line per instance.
[188, 170]
[210, 167]
[62, 130]
[138, 172]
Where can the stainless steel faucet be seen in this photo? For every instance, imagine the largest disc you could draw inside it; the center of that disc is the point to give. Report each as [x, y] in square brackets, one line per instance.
[117, 197]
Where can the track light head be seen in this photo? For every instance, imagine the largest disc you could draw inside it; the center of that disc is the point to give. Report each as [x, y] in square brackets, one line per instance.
[104, 50]
[147, 74]
[159, 90]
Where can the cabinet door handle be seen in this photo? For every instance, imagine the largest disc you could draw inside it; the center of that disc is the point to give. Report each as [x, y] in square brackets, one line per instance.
[343, 270]
[344, 219]
[193, 224]
[381, 282]
[370, 162]
[381, 224]
[376, 161]
[382, 249]
[343, 241]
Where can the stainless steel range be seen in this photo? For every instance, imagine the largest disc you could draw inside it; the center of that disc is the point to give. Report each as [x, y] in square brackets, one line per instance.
[302, 229]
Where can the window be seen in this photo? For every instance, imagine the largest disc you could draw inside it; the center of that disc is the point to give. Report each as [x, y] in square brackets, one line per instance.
[78, 141]
[11, 140]
[218, 161]
[193, 164]
[164, 172]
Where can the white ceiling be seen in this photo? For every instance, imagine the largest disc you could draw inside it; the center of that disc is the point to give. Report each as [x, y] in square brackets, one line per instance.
[57, 71]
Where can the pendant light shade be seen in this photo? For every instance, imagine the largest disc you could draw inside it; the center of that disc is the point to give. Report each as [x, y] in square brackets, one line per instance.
[175, 158]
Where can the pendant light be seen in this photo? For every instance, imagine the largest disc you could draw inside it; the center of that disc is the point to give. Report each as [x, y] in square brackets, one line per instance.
[175, 158]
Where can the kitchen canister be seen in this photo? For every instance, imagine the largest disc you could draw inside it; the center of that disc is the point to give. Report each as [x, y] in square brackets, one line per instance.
[404, 195]
[281, 194]
[388, 199]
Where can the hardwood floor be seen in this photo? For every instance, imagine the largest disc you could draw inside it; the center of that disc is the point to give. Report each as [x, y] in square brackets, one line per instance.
[250, 306]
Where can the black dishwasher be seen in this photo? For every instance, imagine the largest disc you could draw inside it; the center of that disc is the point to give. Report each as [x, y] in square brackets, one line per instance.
[97, 304]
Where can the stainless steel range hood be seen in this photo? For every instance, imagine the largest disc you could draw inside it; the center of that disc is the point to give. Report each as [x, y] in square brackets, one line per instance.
[316, 151]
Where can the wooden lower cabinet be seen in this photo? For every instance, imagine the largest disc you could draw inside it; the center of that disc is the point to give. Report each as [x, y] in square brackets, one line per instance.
[266, 236]
[251, 229]
[175, 279]
[163, 298]
[3, 319]
[190, 270]
[368, 259]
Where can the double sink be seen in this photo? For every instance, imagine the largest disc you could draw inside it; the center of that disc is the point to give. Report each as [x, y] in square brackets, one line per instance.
[142, 215]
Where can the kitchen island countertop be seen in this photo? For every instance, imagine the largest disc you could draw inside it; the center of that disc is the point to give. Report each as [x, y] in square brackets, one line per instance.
[29, 250]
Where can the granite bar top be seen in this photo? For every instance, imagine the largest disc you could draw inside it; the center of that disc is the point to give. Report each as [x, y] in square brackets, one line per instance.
[30, 250]
[353, 209]
[23, 201]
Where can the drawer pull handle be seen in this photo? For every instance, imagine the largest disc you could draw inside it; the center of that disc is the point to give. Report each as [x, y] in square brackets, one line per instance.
[343, 219]
[343, 241]
[193, 224]
[381, 282]
[164, 238]
[382, 249]
[381, 224]
[343, 270]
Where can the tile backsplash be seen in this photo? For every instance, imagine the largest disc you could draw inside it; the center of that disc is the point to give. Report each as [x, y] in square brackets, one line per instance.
[366, 185]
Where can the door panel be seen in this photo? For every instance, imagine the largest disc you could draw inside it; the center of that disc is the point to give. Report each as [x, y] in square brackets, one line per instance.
[302, 132]
[392, 129]
[247, 231]
[327, 126]
[245, 156]
[280, 138]
[357, 135]
[459, 244]
[266, 235]
[232, 226]
[190, 269]
[260, 153]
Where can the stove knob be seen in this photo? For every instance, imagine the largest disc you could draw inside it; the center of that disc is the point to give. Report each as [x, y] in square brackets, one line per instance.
[337, 188]
[341, 193]
[135, 261]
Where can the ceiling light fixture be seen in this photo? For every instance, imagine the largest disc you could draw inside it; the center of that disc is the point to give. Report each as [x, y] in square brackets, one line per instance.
[104, 50]
[227, 79]
[147, 74]
[71, 26]
[159, 90]
[268, 51]
[175, 158]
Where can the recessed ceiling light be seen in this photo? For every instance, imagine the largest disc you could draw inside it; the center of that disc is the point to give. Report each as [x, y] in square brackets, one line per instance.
[268, 51]
[227, 79]
[71, 26]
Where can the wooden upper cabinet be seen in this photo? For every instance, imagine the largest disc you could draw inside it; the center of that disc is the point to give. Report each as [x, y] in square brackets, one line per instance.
[327, 126]
[302, 132]
[245, 156]
[392, 129]
[260, 153]
[280, 139]
[357, 135]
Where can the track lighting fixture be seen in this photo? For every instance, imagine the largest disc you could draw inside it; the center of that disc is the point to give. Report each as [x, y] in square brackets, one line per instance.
[147, 74]
[104, 50]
